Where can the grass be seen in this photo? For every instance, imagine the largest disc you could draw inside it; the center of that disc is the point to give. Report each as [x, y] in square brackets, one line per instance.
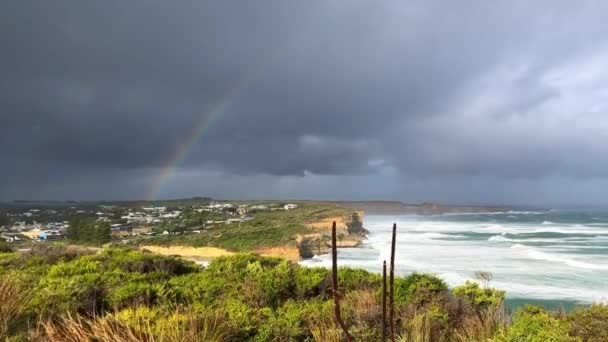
[142, 296]
[266, 229]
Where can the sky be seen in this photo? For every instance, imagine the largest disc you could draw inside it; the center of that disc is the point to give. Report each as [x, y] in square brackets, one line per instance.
[477, 102]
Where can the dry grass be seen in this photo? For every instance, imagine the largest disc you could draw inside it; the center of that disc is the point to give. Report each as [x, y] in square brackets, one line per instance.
[362, 306]
[12, 299]
[324, 331]
[179, 327]
[53, 254]
[483, 326]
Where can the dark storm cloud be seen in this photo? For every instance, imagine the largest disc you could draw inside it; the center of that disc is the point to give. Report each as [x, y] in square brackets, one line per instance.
[105, 92]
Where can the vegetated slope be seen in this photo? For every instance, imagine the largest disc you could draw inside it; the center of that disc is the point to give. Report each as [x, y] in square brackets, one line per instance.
[271, 232]
[128, 295]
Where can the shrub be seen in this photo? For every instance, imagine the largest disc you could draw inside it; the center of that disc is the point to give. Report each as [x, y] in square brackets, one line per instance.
[4, 247]
[283, 324]
[533, 324]
[312, 282]
[418, 288]
[132, 260]
[591, 323]
[481, 298]
[354, 278]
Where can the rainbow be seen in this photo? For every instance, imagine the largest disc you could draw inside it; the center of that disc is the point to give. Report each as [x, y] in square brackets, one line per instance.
[207, 119]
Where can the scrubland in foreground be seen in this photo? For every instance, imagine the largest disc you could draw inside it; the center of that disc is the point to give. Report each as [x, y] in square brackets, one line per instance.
[69, 294]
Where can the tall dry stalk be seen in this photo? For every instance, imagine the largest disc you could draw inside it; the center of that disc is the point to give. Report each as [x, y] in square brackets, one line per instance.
[334, 283]
[391, 295]
[384, 301]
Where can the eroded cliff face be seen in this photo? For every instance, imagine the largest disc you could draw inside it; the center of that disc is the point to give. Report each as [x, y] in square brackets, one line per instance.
[349, 230]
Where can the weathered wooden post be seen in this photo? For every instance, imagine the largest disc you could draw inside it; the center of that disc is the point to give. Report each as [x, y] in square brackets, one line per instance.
[391, 294]
[334, 282]
[384, 301]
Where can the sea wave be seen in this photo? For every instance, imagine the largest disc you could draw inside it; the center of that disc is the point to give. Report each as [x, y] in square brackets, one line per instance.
[535, 254]
[508, 212]
[499, 238]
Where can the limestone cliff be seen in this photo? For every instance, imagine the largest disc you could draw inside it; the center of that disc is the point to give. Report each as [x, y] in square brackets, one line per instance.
[349, 230]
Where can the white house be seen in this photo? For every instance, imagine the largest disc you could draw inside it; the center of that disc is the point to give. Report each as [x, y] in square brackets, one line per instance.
[290, 206]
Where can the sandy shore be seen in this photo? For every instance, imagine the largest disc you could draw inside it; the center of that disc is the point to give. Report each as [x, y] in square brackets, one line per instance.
[210, 253]
[190, 253]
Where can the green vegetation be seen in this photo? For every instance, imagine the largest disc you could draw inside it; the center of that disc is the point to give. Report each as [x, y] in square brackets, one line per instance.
[267, 228]
[87, 230]
[120, 294]
[483, 298]
[4, 220]
[4, 247]
[533, 324]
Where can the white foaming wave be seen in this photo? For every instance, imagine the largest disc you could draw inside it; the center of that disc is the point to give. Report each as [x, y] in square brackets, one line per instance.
[509, 212]
[569, 231]
[518, 290]
[498, 238]
[548, 222]
[429, 236]
[543, 256]
[496, 228]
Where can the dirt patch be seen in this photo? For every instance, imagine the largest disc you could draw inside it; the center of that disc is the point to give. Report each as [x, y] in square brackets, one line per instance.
[190, 253]
[209, 253]
[289, 253]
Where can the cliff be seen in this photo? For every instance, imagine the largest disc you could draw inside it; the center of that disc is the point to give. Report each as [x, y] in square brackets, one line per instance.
[349, 231]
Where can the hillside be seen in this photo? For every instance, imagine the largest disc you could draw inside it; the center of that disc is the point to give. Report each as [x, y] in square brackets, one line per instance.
[118, 294]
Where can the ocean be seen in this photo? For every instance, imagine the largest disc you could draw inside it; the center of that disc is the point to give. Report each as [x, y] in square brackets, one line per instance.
[555, 257]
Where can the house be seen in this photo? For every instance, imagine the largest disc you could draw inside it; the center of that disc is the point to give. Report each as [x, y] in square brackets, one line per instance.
[259, 207]
[32, 234]
[290, 206]
[52, 235]
[157, 209]
[116, 226]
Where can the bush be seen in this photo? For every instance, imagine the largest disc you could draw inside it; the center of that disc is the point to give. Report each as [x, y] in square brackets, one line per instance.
[284, 324]
[536, 325]
[75, 286]
[418, 288]
[354, 278]
[590, 324]
[4, 247]
[480, 298]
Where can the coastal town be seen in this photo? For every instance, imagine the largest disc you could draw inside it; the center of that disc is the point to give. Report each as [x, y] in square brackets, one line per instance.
[23, 224]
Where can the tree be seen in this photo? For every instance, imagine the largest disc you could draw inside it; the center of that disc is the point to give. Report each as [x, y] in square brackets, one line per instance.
[4, 220]
[102, 233]
[88, 230]
[484, 277]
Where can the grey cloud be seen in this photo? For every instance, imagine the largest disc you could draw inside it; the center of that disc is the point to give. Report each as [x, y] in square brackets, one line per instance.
[106, 92]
